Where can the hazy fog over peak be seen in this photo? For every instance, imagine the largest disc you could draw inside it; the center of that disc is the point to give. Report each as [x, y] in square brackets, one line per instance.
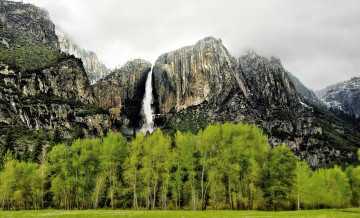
[318, 41]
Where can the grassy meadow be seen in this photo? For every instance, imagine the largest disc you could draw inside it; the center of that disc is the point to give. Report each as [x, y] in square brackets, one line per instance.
[351, 212]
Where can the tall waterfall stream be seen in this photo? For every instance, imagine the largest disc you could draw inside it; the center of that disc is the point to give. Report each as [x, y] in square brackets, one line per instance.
[146, 111]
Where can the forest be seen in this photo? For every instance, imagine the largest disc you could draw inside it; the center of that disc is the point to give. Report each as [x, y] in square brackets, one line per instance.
[25, 54]
[224, 166]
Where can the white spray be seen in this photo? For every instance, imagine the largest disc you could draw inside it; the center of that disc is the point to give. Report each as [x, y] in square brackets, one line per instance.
[146, 111]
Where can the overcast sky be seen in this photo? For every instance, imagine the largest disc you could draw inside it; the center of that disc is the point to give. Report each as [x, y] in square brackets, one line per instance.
[318, 41]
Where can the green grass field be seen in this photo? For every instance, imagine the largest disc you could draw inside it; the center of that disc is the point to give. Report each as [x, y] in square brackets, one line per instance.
[353, 212]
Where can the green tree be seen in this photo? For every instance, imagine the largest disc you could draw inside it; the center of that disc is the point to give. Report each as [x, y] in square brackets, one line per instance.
[156, 168]
[318, 188]
[19, 200]
[230, 160]
[279, 176]
[60, 183]
[94, 178]
[185, 148]
[112, 157]
[8, 180]
[207, 141]
[224, 166]
[56, 137]
[42, 175]
[37, 149]
[88, 168]
[258, 152]
[302, 183]
[241, 156]
[9, 143]
[27, 191]
[330, 188]
[339, 192]
[78, 133]
[99, 189]
[26, 154]
[353, 174]
[132, 165]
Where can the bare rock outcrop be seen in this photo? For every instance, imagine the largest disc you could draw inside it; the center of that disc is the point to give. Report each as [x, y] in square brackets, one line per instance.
[122, 91]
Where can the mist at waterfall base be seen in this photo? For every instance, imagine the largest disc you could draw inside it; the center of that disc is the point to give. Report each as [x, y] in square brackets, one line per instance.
[146, 110]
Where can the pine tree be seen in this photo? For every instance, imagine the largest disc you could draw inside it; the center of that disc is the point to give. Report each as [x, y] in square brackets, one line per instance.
[78, 133]
[26, 155]
[55, 138]
[37, 149]
[9, 143]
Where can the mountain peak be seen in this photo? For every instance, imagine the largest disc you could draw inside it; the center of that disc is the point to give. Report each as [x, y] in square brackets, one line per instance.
[29, 19]
[209, 39]
[275, 61]
[212, 44]
[344, 96]
[95, 69]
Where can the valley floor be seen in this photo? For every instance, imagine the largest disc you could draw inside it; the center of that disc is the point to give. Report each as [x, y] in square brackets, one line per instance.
[351, 212]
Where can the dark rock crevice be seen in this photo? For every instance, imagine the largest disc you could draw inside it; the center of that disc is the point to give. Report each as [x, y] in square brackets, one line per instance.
[122, 91]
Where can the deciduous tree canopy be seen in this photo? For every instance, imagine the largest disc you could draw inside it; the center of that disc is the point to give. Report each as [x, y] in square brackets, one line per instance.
[224, 166]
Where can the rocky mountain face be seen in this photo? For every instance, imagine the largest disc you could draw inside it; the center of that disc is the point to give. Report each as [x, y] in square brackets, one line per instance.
[67, 80]
[304, 93]
[35, 22]
[203, 84]
[57, 97]
[28, 19]
[192, 87]
[94, 68]
[122, 91]
[187, 76]
[344, 96]
[53, 94]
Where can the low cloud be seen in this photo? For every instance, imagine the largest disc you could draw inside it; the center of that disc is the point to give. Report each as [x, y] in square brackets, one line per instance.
[318, 41]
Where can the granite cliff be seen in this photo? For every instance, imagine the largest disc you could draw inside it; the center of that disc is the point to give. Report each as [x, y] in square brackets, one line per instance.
[58, 97]
[304, 93]
[122, 91]
[344, 96]
[94, 68]
[42, 89]
[29, 19]
[202, 84]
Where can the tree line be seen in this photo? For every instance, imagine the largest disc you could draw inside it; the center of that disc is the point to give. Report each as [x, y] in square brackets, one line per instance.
[224, 166]
[23, 53]
[348, 117]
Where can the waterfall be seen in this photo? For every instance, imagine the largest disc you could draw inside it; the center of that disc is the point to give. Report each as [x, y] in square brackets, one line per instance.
[146, 111]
